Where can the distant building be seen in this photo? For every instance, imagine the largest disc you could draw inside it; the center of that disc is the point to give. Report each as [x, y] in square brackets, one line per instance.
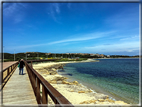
[97, 55]
[102, 55]
[86, 54]
[49, 53]
[92, 54]
[77, 57]
[30, 52]
[108, 55]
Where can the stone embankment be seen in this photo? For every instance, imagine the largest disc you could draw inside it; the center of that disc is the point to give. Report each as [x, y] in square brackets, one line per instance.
[76, 93]
[50, 70]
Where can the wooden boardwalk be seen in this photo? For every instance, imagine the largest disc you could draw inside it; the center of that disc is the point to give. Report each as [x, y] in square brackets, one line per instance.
[18, 90]
[7, 64]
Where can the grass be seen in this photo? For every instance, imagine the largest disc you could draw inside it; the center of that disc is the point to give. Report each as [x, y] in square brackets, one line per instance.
[66, 59]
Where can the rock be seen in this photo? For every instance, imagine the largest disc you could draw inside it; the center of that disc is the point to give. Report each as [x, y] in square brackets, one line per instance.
[60, 78]
[89, 102]
[52, 72]
[70, 83]
[92, 101]
[59, 82]
[84, 102]
[119, 102]
[101, 100]
[71, 90]
[100, 96]
[79, 85]
[106, 103]
[81, 91]
[96, 102]
[60, 67]
[75, 82]
[53, 69]
[53, 82]
[65, 82]
[47, 73]
[42, 70]
[89, 91]
[109, 100]
[81, 103]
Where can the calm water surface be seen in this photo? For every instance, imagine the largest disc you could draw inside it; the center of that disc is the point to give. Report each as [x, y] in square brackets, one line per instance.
[118, 78]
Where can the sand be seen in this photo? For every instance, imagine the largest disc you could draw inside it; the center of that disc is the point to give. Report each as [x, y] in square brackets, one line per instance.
[75, 92]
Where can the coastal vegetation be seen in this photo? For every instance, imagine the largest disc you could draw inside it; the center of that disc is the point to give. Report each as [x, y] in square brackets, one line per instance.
[62, 56]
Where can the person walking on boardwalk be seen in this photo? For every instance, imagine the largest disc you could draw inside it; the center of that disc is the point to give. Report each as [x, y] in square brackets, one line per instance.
[21, 66]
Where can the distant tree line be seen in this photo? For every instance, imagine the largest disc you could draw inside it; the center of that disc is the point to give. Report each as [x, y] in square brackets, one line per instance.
[34, 55]
[37, 55]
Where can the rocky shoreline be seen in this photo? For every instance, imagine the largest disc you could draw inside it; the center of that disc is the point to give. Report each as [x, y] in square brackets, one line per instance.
[75, 92]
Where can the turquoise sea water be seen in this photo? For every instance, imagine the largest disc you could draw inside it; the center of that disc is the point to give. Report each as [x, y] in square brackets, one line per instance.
[118, 78]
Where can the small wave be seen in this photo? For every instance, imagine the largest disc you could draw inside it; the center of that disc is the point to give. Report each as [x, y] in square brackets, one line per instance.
[61, 71]
[93, 91]
[67, 74]
[88, 88]
[112, 98]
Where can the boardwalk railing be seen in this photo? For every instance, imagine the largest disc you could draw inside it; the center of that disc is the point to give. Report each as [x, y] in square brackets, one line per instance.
[7, 73]
[47, 89]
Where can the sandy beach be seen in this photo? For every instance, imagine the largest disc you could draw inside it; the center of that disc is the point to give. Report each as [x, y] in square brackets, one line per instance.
[75, 92]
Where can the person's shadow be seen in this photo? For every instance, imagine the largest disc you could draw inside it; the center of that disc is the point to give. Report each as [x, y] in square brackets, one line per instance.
[24, 74]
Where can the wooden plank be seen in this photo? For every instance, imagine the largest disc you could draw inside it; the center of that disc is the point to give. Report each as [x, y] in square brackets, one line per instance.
[18, 90]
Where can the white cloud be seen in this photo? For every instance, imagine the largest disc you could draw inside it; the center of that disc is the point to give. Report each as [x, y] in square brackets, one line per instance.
[13, 11]
[57, 8]
[84, 37]
[117, 47]
[136, 37]
[74, 38]
[9, 8]
[53, 10]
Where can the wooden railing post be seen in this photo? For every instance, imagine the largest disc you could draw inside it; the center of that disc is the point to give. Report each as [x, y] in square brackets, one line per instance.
[2, 78]
[38, 91]
[8, 71]
[44, 95]
[47, 89]
[31, 64]
[11, 69]
[34, 83]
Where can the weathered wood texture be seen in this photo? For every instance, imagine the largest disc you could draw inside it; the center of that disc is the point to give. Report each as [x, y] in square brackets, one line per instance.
[7, 64]
[18, 90]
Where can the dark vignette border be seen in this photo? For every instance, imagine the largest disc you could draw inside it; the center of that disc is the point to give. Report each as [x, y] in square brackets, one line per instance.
[76, 1]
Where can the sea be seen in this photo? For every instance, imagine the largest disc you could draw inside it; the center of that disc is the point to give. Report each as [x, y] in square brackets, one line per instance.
[117, 78]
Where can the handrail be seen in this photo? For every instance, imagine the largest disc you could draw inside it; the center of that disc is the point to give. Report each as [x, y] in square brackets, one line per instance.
[47, 89]
[5, 76]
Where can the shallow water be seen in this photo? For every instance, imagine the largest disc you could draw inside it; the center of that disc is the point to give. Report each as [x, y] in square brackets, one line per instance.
[118, 78]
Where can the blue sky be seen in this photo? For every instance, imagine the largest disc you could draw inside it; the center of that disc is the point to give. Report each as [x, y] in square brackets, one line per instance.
[104, 28]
